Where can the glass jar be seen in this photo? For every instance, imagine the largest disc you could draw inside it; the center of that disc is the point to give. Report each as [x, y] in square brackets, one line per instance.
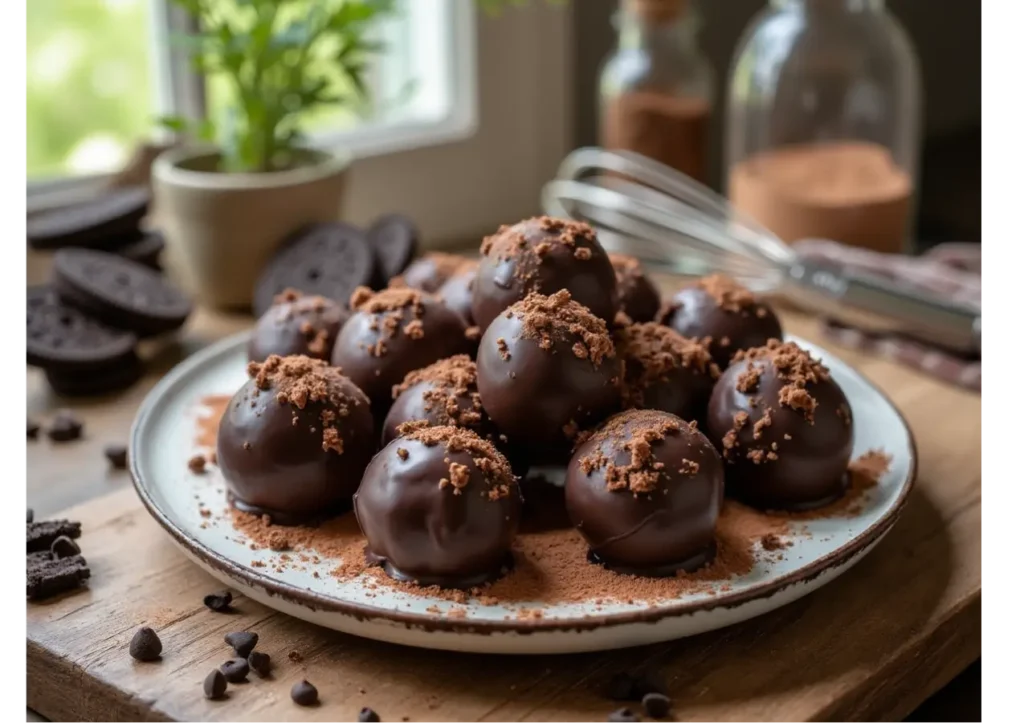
[823, 123]
[656, 86]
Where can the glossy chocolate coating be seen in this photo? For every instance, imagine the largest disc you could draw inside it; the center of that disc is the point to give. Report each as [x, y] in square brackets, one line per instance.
[695, 313]
[638, 296]
[541, 398]
[811, 459]
[297, 325]
[424, 530]
[430, 271]
[650, 532]
[511, 267]
[457, 292]
[275, 466]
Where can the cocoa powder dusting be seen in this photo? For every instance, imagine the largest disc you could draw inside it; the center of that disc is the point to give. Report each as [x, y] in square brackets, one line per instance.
[212, 408]
[794, 366]
[728, 294]
[651, 351]
[557, 318]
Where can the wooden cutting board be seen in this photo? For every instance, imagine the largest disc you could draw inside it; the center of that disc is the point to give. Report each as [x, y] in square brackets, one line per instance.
[871, 645]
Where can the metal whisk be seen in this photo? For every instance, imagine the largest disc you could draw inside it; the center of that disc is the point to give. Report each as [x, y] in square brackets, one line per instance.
[670, 221]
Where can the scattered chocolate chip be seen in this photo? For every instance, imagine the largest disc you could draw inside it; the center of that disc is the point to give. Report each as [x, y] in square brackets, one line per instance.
[219, 602]
[31, 515]
[46, 576]
[215, 685]
[145, 645]
[623, 715]
[197, 463]
[235, 670]
[242, 642]
[304, 693]
[259, 663]
[40, 535]
[117, 455]
[33, 429]
[65, 427]
[657, 705]
[368, 715]
[63, 547]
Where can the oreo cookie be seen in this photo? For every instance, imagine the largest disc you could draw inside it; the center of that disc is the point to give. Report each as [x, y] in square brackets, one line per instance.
[118, 292]
[143, 248]
[395, 241]
[100, 223]
[62, 339]
[94, 382]
[326, 259]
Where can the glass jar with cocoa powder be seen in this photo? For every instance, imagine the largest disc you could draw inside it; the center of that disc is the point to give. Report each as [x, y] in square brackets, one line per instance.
[823, 123]
[656, 86]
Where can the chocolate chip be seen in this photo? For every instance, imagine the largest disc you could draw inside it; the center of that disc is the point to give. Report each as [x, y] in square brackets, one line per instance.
[259, 663]
[304, 693]
[63, 547]
[657, 705]
[235, 670]
[117, 455]
[622, 715]
[218, 602]
[65, 427]
[145, 645]
[33, 429]
[197, 463]
[242, 642]
[215, 685]
[31, 515]
[368, 715]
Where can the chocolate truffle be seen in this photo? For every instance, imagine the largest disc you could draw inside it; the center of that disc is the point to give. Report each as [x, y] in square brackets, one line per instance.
[723, 311]
[784, 428]
[430, 271]
[645, 491]
[439, 506]
[638, 297]
[543, 255]
[547, 369]
[457, 291]
[391, 333]
[295, 439]
[297, 324]
[665, 371]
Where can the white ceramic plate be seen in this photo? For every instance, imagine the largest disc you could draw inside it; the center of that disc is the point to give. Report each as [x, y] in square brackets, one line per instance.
[163, 439]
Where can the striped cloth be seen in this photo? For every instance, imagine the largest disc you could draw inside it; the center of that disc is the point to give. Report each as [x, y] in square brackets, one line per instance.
[952, 270]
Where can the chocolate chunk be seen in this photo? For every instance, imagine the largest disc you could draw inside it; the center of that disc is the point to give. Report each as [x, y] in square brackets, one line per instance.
[145, 645]
[623, 715]
[197, 463]
[243, 642]
[218, 602]
[46, 576]
[33, 429]
[394, 239]
[327, 259]
[117, 455]
[215, 685]
[96, 223]
[235, 670]
[368, 715]
[657, 705]
[65, 427]
[259, 663]
[40, 535]
[31, 515]
[63, 547]
[118, 292]
[304, 693]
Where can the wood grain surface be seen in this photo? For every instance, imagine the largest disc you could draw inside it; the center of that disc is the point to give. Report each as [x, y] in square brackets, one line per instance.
[871, 645]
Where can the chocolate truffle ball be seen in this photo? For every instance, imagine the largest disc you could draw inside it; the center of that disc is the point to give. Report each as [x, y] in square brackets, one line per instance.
[297, 324]
[430, 271]
[391, 333]
[295, 439]
[638, 297]
[665, 371]
[543, 255]
[547, 369]
[645, 491]
[457, 291]
[439, 506]
[784, 428]
[718, 308]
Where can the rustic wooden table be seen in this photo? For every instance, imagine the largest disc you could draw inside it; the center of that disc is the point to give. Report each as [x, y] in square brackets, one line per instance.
[872, 645]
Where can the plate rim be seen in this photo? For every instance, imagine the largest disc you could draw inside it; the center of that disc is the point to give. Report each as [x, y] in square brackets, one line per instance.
[322, 603]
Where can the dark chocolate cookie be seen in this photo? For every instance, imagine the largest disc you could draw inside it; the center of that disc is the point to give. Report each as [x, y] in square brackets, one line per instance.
[119, 292]
[326, 259]
[144, 248]
[63, 339]
[394, 239]
[96, 224]
[102, 380]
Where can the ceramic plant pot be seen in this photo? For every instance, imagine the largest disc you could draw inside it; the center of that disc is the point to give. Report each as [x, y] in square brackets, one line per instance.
[222, 228]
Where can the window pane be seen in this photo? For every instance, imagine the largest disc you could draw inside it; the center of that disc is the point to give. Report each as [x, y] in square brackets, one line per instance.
[90, 90]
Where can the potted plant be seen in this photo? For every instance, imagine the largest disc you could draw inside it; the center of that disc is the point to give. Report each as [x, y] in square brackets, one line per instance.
[226, 205]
